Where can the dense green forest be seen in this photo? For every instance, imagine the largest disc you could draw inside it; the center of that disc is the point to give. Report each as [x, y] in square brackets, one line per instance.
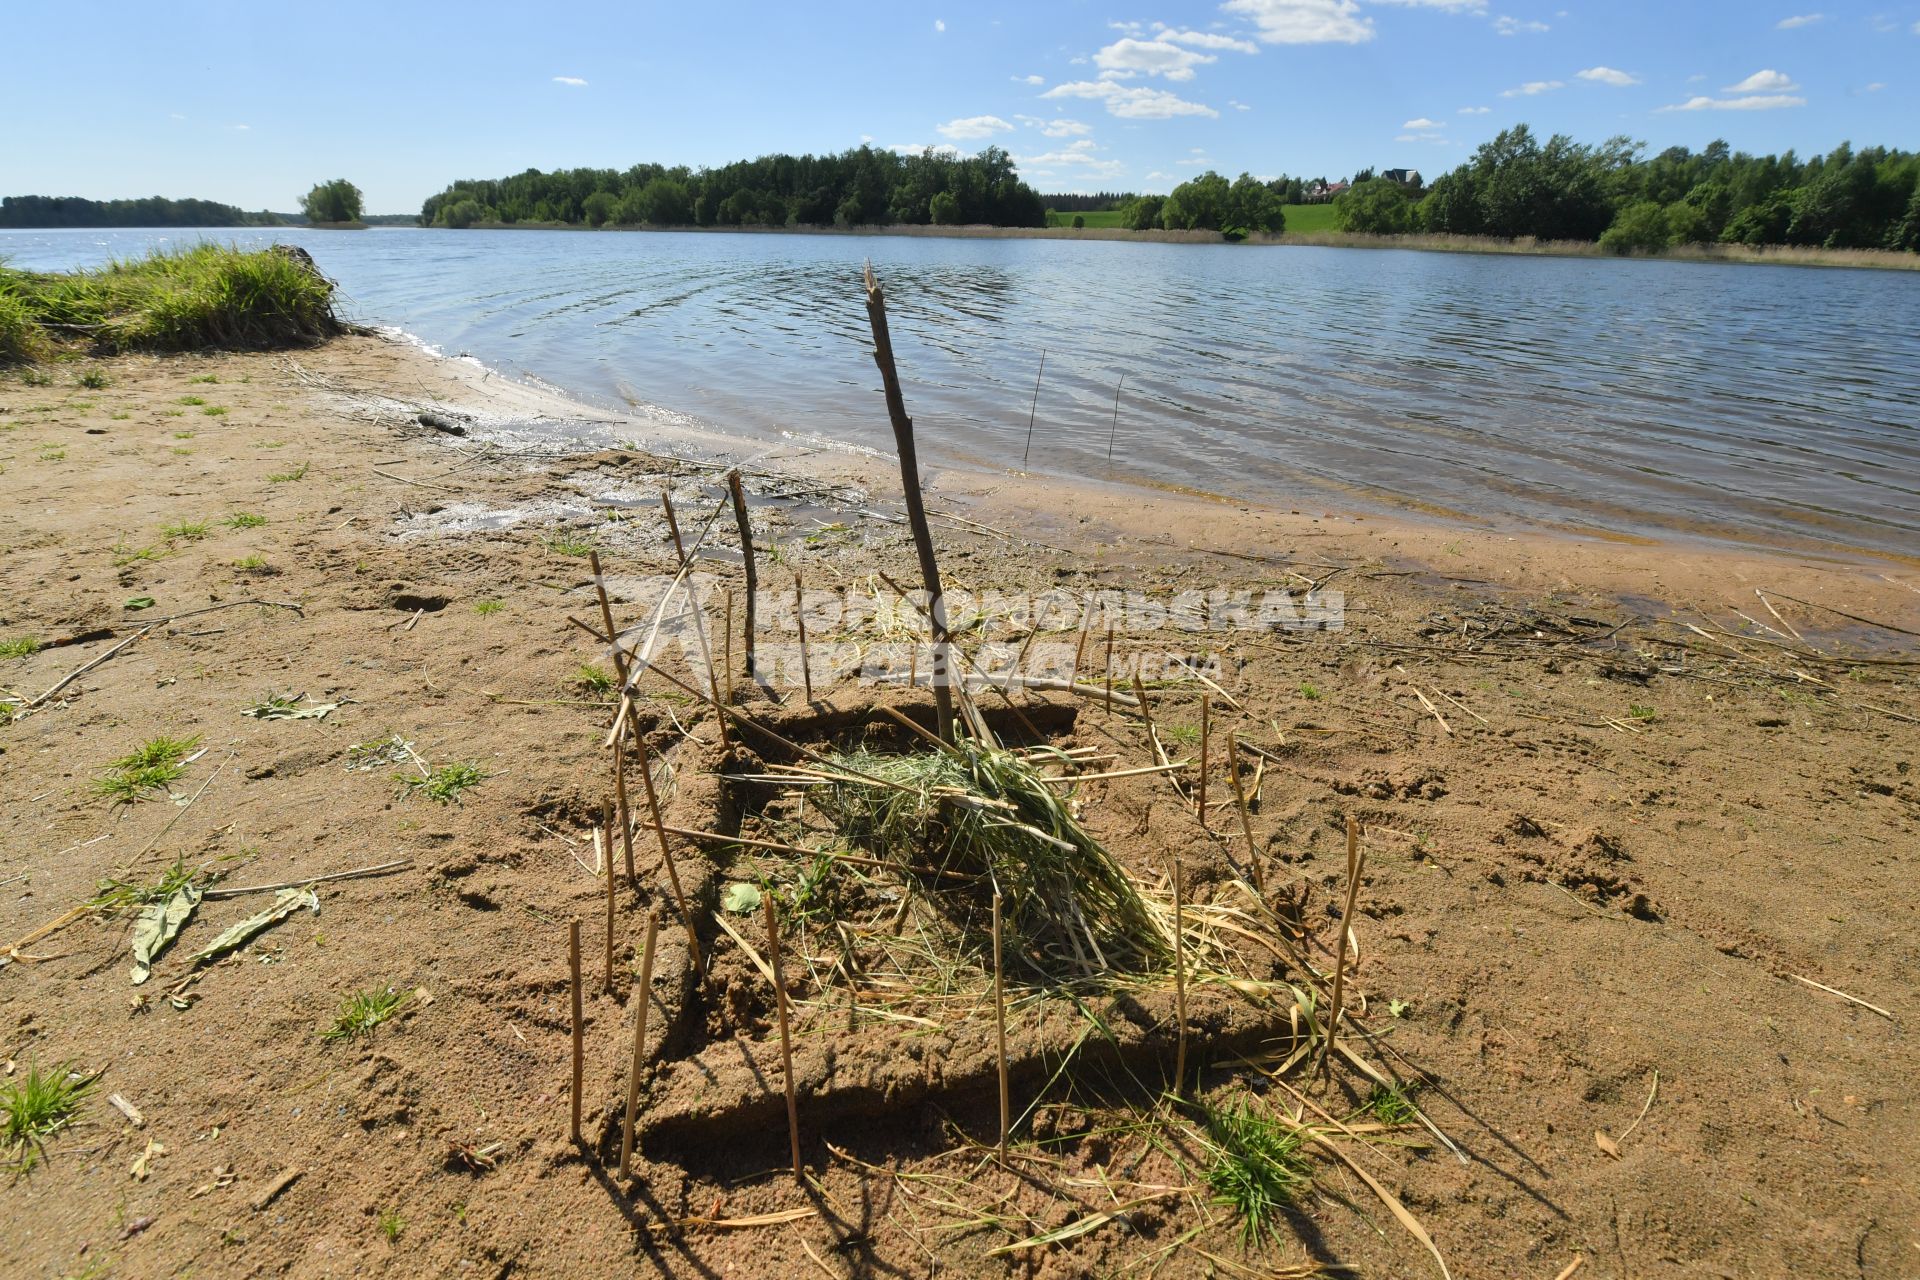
[1517, 185]
[861, 187]
[153, 211]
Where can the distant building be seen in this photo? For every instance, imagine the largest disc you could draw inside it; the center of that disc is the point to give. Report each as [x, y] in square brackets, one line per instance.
[1405, 177]
[1322, 192]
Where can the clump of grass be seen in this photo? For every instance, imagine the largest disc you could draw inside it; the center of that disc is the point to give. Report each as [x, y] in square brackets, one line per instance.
[486, 607]
[1257, 1168]
[391, 1224]
[251, 564]
[244, 520]
[53, 455]
[94, 380]
[205, 377]
[184, 530]
[39, 1106]
[1392, 1103]
[289, 477]
[202, 296]
[1643, 713]
[1310, 691]
[215, 410]
[113, 897]
[19, 647]
[150, 767]
[986, 813]
[565, 544]
[21, 339]
[193, 401]
[592, 678]
[361, 1012]
[446, 784]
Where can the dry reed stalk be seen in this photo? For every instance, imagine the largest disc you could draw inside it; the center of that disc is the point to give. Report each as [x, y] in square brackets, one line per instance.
[800, 616]
[1109, 670]
[673, 527]
[1246, 823]
[1179, 977]
[786, 1035]
[666, 854]
[606, 841]
[1114, 430]
[606, 618]
[1080, 649]
[726, 652]
[625, 815]
[1346, 929]
[579, 1024]
[1206, 729]
[1000, 1024]
[746, 559]
[910, 492]
[644, 994]
[1033, 408]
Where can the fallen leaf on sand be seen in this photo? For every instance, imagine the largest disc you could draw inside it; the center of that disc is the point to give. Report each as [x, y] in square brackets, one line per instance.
[1606, 1144]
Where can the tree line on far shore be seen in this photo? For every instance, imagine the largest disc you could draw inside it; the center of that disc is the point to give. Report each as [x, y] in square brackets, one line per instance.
[150, 211]
[860, 187]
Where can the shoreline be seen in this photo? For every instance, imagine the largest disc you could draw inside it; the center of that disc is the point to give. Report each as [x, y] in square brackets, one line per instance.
[1624, 810]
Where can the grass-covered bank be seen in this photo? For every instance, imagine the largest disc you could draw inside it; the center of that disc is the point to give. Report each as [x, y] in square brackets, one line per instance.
[201, 298]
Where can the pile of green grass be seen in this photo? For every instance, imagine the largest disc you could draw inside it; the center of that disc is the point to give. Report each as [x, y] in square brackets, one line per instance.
[198, 298]
[1069, 910]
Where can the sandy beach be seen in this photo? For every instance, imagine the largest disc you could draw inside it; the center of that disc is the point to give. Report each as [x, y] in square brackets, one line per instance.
[1636, 919]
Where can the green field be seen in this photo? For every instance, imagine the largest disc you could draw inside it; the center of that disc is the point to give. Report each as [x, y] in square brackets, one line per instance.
[1098, 218]
[1302, 218]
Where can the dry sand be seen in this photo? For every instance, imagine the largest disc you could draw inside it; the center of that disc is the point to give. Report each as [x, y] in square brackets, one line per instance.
[1654, 806]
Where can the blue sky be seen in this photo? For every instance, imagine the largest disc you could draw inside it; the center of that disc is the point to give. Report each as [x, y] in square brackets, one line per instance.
[251, 103]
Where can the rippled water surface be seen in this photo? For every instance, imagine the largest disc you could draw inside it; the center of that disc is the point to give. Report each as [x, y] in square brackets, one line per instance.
[1748, 404]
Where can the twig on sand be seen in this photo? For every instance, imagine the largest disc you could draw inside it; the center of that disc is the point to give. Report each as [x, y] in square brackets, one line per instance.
[1834, 991]
[71, 676]
[579, 1019]
[1851, 617]
[643, 996]
[382, 869]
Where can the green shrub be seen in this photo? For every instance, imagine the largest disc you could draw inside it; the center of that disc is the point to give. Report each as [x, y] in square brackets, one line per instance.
[19, 335]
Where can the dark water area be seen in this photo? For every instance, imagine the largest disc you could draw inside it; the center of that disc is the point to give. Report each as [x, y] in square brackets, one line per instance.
[1753, 405]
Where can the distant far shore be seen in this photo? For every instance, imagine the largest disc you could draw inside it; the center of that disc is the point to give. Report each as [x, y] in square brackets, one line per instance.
[1773, 255]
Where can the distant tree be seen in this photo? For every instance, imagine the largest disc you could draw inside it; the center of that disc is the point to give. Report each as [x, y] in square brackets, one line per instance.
[944, 207]
[1143, 214]
[599, 208]
[1376, 207]
[1640, 226]
[1906, 232]
[1363, 175]
[336, 201]
[1252, 205]
[1686, 224]
[1197, 205]
[1079, 221]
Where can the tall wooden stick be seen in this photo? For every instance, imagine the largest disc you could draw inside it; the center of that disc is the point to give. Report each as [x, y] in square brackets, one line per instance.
[1246, 823]
[644, 995]
[786, 1039]
[1206, 729]
[620, 800]
[1034, 408]
[800, 616]
[1115, 429]
[1179, 977]
[673, 527]
[579, 1024]
[666, 854]
[1346, 927]
[1000, 1023]
[606, 839]
[746, 556]
[916, 510]
[726, 658]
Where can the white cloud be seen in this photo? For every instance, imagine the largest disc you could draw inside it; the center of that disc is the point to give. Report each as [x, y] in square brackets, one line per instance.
[968, 128]
[1076, 155]
[1798, 20]
[1138, 103]
[1474, 111]
[1238, 105]
[1061, 128]
[915, 148]
[240, 128]
[1767, 81]
[572, 81]
[1505, 26]
[866, 138]
[1424, 123]
[1034, 80]
[1128, 57]
[1755, 102]
[1450, 6]
[1875, 87]
[1304, 21]
[1157, 176]
[1195, 158]
[1607, 75]
[1532, 87]
[1204, 39]
[1916, 28]
[939, 25]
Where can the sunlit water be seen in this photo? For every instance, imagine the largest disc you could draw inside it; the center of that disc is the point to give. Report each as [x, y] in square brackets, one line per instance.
[1738, 403]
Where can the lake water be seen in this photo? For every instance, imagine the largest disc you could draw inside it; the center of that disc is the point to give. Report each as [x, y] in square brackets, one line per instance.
[1735, 403]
